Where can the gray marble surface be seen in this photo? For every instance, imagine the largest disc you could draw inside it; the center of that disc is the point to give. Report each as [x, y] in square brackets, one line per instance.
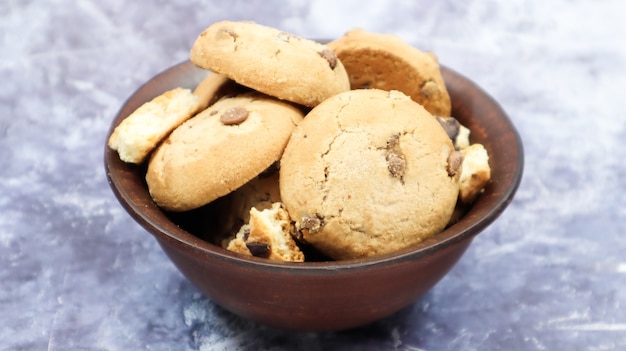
[76, 273]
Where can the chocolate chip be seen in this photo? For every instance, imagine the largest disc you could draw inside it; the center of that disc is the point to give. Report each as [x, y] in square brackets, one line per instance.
[312, 223]
[396, 165]
[246, 234]
[450, 125]
[394, 157]
[234, 115]
[329, 56]
[455, 161]
[258, 249]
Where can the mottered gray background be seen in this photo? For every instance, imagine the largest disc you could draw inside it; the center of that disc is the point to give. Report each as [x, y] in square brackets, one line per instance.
[77, 273]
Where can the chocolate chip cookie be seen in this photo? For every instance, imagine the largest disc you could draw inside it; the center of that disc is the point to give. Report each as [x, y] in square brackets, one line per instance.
[369, 172]
[219, 150]
[271, 61]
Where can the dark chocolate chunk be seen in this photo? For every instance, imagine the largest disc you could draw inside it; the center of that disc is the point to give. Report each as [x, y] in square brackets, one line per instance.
[258, 249]
[450, 125]
[329, 56]
[234, 115]
[455, 161]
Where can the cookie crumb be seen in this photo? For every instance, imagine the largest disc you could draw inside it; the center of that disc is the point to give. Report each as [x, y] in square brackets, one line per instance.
[329, 56]
[234, 115]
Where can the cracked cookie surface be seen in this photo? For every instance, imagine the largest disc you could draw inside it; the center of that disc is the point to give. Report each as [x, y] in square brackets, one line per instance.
[366, 173]
[271, 61]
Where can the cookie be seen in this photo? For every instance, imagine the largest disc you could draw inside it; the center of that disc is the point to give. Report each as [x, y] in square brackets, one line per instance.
[219, 150]
[271, 61]
[268, 235]
[214, 87]
[386, 62]
[475, 172]
[369, 172]
[139, 133]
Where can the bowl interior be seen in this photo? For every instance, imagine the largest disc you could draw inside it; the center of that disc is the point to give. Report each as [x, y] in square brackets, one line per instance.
[474, 108]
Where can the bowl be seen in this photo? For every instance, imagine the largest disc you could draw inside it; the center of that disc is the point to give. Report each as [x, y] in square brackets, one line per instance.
[326, 295]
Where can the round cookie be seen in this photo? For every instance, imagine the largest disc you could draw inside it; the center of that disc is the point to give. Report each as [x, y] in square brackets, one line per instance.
[386, 62]
[368, 172]
[219, 150]
[271, 61]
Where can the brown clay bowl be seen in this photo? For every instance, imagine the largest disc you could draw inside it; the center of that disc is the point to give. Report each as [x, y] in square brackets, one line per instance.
[319, 296]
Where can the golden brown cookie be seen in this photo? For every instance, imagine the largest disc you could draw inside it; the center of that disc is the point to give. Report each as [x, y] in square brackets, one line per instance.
[271, 61]
[386, 62]
[142, 130]
[219, 150]
[268, 235]
[369, 172]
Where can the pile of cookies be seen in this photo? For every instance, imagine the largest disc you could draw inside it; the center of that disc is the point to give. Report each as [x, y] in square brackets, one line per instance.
[347, 147]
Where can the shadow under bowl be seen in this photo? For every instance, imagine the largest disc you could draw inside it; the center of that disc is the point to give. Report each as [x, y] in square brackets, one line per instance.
[331, 295]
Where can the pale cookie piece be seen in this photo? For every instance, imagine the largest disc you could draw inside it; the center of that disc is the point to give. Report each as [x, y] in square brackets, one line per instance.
[267, 236]
[271, 61]
[386, 62]
[367, 172]
[475, 172]
[142, 130]
[219, 150]
[214, 87]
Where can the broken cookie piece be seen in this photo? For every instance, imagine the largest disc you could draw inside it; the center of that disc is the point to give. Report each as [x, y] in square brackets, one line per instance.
[475, 172]
[268, 235]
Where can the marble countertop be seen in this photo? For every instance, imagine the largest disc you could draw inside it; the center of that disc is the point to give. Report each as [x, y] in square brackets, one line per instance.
[77, 273]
